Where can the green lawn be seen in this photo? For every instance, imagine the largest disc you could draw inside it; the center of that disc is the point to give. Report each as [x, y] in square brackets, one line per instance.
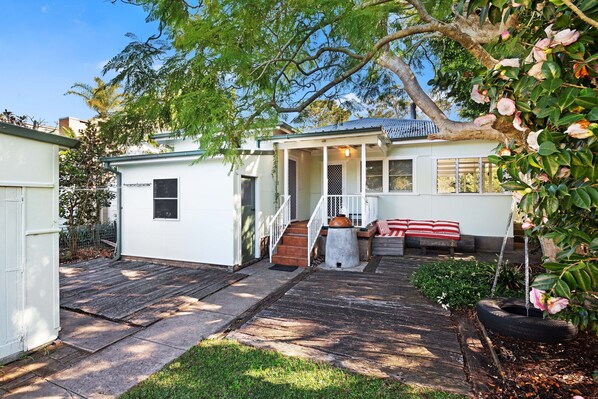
[226, 369]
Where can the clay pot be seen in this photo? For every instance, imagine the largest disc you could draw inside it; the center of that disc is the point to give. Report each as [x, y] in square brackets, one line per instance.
[340, 221]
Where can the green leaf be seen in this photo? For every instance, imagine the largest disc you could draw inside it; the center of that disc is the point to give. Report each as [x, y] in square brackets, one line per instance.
[561, 288]
[494, 15]
[551, 70]
[593, 115]
[569, 119]
[523, 106]
[567, 97]
[514, 186]
[570, 280]
[544, 281]
[581, 198]
[583, 279]
[593, 195]
[563, 157]
[536, 93]
[551, 205]
[547, 148]
[528, 202]
[554, 266]
[550, 165]
[551, 85]
[587, 102]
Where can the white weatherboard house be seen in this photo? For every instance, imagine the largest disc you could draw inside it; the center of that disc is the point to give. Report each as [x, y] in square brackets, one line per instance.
[369, 169]
[29, 306]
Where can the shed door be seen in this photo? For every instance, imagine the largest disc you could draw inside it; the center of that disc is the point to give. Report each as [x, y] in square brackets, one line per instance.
[11, 259]
[248, 218]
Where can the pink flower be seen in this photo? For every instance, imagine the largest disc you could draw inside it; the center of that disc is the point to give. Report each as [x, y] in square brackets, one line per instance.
[536, 71]
[506, 35]
[484, 120]
[564, 172]
[543, 177]
[555, 305]
[506, 106]
[518, 123]
[479, 97]
[532, 140]
[577, 397]
[548, 31]
[508, 63]
[517, 196]
[540, 49]
[579, 130]
[536, 297]
[515, 4]
[505, 152]
[527, 225]
[565, 37]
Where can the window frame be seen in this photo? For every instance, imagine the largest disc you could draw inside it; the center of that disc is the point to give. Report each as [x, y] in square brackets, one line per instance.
[178, 198]
[386, 175]
[480, 178]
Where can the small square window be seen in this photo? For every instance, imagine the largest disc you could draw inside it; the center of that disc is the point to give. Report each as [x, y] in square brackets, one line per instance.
[373, 176]
[400, 175]
[166, 202]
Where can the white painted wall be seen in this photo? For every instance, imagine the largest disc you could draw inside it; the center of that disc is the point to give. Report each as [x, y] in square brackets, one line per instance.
[204, 231]
[479, 214]
[33, 166]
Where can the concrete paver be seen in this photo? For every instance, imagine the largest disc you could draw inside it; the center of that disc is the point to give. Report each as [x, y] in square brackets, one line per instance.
[39, 388]
[116, 369]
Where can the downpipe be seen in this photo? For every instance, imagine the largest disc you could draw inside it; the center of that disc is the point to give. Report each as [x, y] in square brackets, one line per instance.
[117, 252]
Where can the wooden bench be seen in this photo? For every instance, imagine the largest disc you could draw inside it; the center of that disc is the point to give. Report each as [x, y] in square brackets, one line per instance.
[424, 243]
[390, 245]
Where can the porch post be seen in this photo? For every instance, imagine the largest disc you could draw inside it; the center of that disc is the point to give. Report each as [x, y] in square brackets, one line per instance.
[325, 171]
[364, 214]
[286, 173]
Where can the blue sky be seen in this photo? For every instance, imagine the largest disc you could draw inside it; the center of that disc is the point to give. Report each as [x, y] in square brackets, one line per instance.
[47, 46]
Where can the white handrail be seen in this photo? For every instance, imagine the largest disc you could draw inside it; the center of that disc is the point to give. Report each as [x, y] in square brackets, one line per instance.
[371, 209]
[348, 205]
[279, 223]
[314, 226]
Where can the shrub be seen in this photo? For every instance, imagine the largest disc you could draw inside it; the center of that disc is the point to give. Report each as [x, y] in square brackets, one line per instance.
[459, 284]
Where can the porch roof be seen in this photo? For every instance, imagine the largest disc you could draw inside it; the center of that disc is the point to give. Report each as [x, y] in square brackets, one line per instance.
[396, 129]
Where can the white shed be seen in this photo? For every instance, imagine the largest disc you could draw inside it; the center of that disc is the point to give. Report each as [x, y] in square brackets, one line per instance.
[29, 294]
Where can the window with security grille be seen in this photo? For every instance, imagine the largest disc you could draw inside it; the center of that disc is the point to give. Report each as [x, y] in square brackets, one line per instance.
[166, 201]
[400, 175]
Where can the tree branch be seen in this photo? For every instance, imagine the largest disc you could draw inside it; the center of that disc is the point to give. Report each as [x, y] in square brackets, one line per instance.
[580, 14]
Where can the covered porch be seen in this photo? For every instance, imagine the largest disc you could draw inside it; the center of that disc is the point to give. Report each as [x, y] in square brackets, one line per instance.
[321, 177]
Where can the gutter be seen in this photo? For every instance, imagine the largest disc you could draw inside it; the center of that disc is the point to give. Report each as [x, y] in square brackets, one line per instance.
[118, 251]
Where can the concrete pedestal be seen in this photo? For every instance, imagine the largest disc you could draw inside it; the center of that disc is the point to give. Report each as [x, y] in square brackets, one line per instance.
[341, 247]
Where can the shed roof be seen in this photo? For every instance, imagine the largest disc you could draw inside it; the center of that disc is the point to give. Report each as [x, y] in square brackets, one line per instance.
[396, 129]
[36, 135]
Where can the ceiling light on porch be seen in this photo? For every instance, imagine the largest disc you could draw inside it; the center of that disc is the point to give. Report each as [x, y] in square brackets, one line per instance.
[348, 152]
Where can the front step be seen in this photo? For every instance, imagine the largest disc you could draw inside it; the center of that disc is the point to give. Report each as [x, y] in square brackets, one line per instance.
[290, 260]
[292, 250]
[296, 240]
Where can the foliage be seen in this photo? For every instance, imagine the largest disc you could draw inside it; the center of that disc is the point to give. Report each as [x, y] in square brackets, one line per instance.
[104, 98]
[324, 112]
[547, 90]
[20, 120]
[458, 284]
[226, 369]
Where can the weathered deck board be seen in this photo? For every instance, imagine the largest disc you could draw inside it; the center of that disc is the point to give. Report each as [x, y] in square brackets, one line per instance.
[136, 292]
[374, 323]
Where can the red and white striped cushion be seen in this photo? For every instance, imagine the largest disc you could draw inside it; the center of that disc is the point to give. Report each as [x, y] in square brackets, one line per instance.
[399, 224]
[383, 227]
[446, 229]
[393, 233]
[421, 225]
[432, 234]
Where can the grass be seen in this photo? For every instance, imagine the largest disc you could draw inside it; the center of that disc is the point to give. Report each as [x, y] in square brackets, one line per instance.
[224, 369]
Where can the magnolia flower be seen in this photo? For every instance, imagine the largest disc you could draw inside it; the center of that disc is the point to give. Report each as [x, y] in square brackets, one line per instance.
[536, 71]
[536, 297]
[506, 106]
[505, 152]
[579, 130]
[543, 177]
[540, 48]
[563, 173]
[565, 37]
[527, 225]
[484, 120]
[555, 305]
[506, 35]
[518, 123]
[508, 63]
[532, 140]
[479, 97]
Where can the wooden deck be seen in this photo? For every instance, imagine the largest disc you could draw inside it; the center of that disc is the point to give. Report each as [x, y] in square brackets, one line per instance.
[139, 293]
[373, 323]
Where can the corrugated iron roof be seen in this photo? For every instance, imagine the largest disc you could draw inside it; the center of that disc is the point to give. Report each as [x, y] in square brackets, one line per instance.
[397, 129]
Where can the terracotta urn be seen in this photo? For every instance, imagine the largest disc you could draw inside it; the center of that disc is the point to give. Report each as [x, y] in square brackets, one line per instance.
[340, 221]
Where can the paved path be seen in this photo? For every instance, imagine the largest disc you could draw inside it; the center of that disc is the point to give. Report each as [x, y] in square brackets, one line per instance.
[120, 357]
[372, 323]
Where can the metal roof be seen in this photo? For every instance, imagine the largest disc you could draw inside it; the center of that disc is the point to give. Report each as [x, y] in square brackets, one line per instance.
[397, 129]
[36, 135]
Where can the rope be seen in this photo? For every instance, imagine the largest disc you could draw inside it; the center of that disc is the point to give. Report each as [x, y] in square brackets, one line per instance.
[502, 249]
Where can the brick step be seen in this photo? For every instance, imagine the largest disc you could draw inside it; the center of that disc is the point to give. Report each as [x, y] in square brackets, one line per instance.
[296, 230]
[295, 240]
[291, 250]
[289, 260]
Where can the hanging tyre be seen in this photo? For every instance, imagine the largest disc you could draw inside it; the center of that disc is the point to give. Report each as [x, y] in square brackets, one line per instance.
[509, 317]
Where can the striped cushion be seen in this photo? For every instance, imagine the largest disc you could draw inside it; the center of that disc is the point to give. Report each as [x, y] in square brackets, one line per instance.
[383, 227]
[393, 233]
[432, 234]
[399, 224]
[421, 225]
[446, 229]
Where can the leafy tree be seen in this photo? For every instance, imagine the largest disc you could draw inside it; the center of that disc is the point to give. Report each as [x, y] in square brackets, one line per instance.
[104, 98]
[20, 120]
[324, 112]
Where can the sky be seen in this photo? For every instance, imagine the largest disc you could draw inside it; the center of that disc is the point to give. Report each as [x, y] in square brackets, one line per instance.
[47, 46]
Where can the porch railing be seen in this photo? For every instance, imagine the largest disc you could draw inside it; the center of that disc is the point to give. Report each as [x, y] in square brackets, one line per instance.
[279, 223]
[348, 205]
[314, 226]
[371, 210]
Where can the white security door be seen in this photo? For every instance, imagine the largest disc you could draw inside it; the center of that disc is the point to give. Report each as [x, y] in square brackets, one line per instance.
[11, 259]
